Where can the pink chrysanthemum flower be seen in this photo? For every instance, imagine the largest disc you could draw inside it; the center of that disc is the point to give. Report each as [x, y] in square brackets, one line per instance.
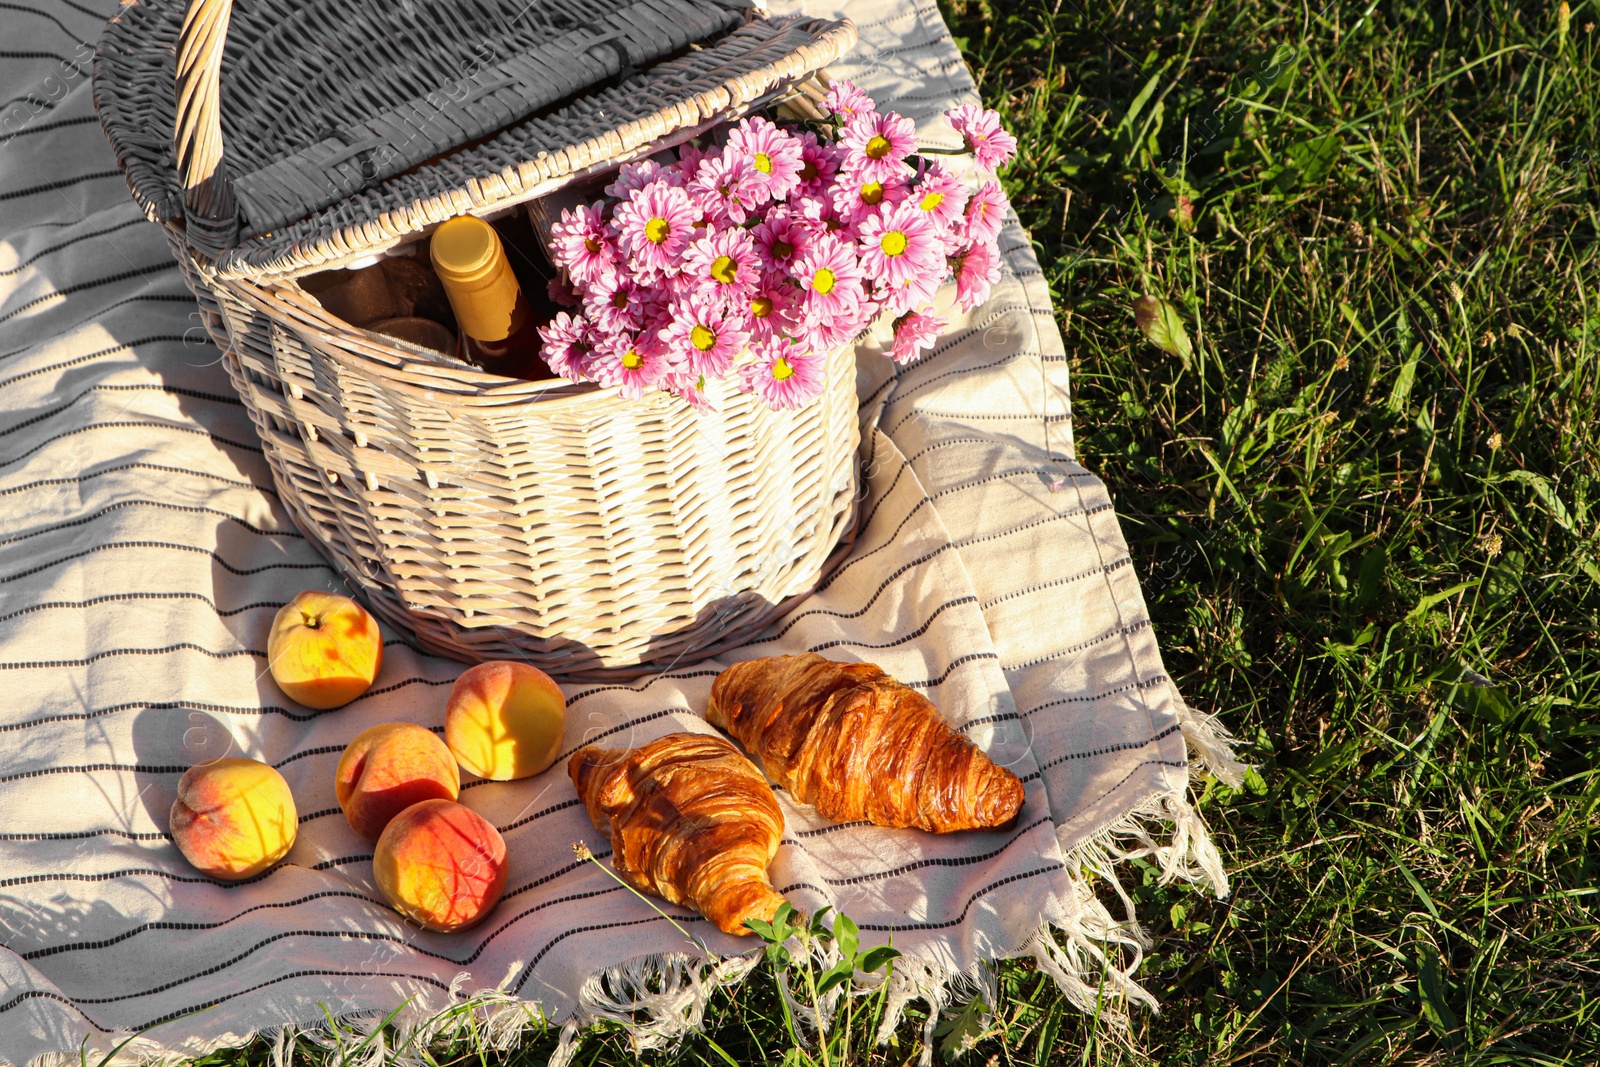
[691, 155]
[721, 189]
[819, 163]
[633, 361]
[583, 243]
[780, 238]
[899, 244]
[827, 334]
[689, 387]
[991, 146]
[985, 214]
[941, 196]
[784, 375]
[724, 266]
[977, 269]
[915, 291]
[705, 337]
[846, 101]
[568, 346]
[774, 307]
[913, 333]
[614, 303]
[876, 146]
[855, 200]
[655, 310]
[830, 279]
[654, 225]
[632, 177]
[772, 158]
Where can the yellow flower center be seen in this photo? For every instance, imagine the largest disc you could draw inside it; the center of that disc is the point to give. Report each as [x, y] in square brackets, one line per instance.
[932, 200]
[822, 281]
[591, 244]
[763, 163]
[781, 369]
[872, 193]
[761, 306]
[632, 360]
[702, 338]
[893, 243]
[724, 270]
[878, 147]
[782, 250]
[657, 230]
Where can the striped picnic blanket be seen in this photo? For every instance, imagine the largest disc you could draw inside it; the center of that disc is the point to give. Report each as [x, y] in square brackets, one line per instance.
[143, 553]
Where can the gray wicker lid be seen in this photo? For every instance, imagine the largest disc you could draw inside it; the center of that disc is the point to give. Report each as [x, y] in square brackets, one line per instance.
[323, 132]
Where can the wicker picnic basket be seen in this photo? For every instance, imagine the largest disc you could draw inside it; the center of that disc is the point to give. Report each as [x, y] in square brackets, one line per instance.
[484, 516]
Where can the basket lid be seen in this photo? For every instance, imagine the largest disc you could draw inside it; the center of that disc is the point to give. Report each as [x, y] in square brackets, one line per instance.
[352, 124]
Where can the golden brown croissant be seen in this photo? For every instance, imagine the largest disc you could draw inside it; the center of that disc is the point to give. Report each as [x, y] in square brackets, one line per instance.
[691, 820]
[854, 743]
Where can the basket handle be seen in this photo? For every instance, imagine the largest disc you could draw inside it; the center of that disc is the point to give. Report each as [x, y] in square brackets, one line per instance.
[211, 215]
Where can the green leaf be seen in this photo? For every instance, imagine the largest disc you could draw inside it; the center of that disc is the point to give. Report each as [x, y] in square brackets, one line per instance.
[1125, 126]
[1435, 1007]
[1404, 381]
[783, 921]
[1370, 582]
[875, 958]
[1426, 603]
[1047, 1034]
[838, 974]
[762, 928]
[818, 926]
[963, 1031]
[1547, 495]
[1313, 159]
[1162, 326]
[848, 937]
[1505, 579]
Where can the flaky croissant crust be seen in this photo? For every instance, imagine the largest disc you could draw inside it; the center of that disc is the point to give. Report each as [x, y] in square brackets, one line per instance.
[856, 744]
[691, 820]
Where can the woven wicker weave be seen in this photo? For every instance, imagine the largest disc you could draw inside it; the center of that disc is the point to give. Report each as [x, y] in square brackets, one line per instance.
[485, 516]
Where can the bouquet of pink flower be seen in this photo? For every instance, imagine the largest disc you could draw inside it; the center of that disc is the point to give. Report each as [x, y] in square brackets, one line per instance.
[758, 257]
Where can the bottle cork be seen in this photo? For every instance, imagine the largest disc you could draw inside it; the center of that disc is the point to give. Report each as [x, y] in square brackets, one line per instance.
[470, 261]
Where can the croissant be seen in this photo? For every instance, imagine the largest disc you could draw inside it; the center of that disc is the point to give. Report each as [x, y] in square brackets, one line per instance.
[691, 820]
[855, 744]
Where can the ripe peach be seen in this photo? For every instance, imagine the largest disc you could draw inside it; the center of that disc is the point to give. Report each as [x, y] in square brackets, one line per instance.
[324, 649]
[442, 864]
[388, 768]
[233, 818]
[504, 720]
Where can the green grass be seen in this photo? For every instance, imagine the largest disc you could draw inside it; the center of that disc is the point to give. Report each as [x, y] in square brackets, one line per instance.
[1366, 509]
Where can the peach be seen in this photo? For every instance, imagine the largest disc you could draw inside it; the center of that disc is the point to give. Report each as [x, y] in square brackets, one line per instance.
[441, 864]
[233, 818]
[388, 768]
[504, 720]
[324, 649]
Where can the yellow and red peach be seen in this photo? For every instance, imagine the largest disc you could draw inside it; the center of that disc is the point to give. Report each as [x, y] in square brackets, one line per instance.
[388, 768]
[504, 720]
[233, 818]
[441, 864]
[324, 649]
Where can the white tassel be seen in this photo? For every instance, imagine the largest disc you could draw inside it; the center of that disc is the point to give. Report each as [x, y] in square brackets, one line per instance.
[1211, 745]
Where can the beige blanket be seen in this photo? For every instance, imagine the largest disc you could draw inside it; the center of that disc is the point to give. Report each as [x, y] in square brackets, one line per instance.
[143, 553]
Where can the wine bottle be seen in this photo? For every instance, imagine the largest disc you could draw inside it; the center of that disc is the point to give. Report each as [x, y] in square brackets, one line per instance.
[498, 329]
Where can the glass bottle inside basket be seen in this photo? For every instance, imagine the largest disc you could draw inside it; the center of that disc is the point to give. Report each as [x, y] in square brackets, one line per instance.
[498, 327]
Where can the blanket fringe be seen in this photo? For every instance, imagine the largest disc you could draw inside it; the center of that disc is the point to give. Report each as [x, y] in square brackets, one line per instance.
[1211, 745]
[659, 999]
